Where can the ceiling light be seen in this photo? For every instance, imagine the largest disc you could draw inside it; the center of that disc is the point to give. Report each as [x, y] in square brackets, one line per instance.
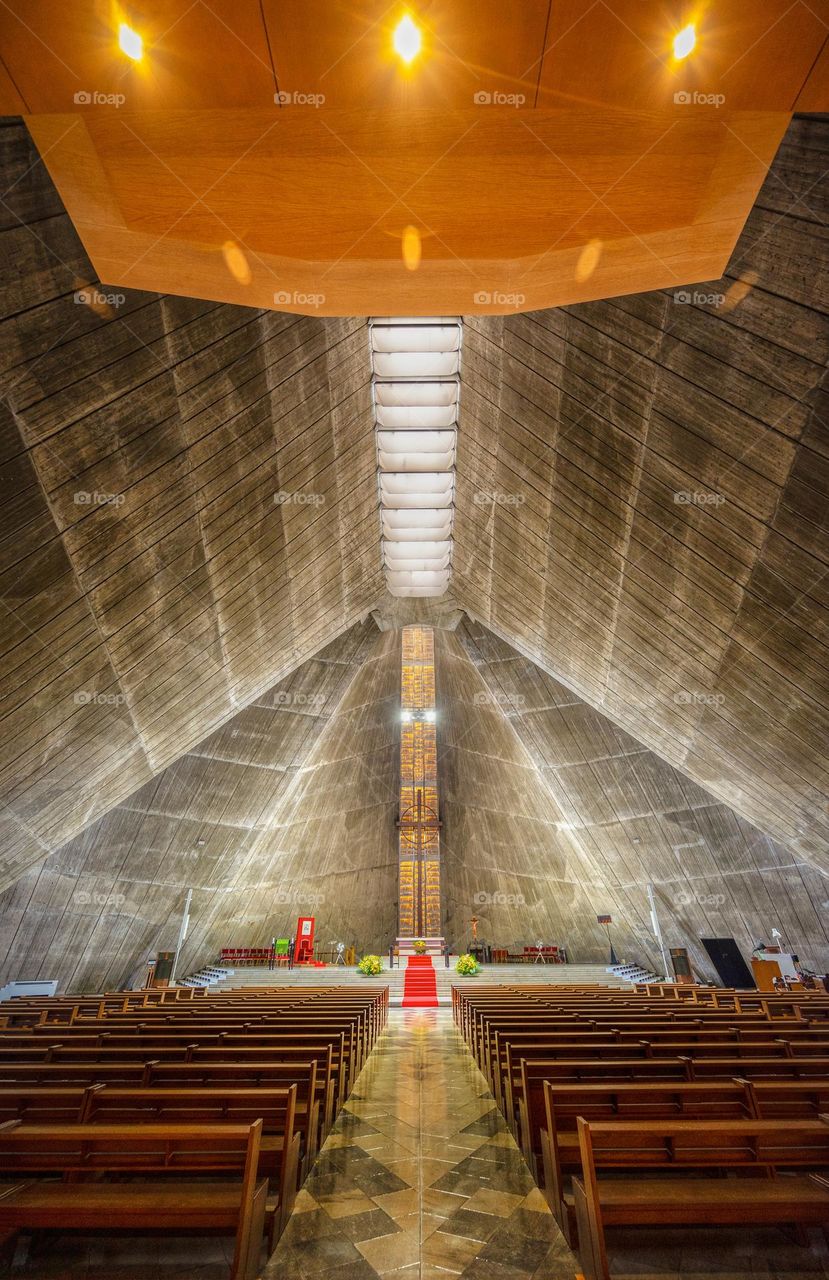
[407, 39]
[130, 42]
[412, 248]
[685, 40]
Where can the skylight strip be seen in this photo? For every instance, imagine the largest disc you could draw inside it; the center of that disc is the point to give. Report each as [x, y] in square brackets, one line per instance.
[416, 391]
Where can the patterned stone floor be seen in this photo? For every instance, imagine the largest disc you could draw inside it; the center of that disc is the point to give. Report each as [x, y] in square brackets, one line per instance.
[420, 1177]
[421, 1180]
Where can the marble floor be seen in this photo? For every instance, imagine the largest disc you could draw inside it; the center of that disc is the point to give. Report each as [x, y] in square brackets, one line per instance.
[421, 1180]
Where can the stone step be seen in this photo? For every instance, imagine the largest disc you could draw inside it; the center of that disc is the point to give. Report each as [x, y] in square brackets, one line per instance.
[512, 974]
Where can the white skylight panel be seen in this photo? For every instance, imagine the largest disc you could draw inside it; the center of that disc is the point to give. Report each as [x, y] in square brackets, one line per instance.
[415, 337]
[414, 460]
[413, 501]
[425, 524]
[428, 392]
[416, 364]
[418, 441]
[417, 417]
[440, 550]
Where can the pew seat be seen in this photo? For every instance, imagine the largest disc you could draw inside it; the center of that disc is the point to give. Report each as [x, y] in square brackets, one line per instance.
[706, 1198]
[233, 1202]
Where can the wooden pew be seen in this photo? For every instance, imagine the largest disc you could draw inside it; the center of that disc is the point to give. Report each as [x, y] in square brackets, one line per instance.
[44, 1104]
[713, 1146]
[790, 1099]
[290, 1048]
[276, 1108]
[73, 1073]
[552, 1137]
[231, 1202]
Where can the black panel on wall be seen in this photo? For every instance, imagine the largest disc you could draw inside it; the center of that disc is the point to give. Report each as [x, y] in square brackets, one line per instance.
[729, 963]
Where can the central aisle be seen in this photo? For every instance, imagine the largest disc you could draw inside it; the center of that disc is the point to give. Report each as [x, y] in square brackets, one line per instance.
[420, 1176]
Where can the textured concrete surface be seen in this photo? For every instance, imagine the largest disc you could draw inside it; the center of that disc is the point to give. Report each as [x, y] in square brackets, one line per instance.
[190, 515]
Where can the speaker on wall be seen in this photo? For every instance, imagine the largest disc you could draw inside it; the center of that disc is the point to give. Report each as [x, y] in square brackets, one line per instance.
[729, 963]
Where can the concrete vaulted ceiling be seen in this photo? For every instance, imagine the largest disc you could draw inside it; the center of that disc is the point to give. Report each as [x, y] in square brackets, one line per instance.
[288, 808]
[551, 814]
[641, 506]
[191, 514]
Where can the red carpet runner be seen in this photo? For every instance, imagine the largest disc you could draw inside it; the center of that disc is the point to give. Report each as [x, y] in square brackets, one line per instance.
[420, 988]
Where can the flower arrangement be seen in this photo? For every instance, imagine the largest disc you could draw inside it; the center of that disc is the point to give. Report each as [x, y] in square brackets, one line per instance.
[370, 966]
[467, 966]
[419, 946]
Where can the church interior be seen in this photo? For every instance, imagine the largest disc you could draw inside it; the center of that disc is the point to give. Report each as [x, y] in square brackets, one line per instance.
[413, 620]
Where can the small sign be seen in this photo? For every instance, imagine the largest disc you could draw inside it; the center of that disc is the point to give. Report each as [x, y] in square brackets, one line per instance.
[604, 919]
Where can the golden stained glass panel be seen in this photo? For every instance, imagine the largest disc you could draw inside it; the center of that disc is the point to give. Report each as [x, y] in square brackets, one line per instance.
[419, 844]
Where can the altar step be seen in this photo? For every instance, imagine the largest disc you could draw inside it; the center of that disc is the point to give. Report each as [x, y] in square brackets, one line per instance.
[420, 984]
[512, 974]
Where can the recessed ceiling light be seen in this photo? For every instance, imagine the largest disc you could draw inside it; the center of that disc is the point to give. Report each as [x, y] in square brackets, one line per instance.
[130, 42]
[685, 40]
[407, 39]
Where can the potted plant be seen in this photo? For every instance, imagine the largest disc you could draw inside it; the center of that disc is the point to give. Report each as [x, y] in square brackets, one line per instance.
[370, 966]
[467, 966]
[419, 946]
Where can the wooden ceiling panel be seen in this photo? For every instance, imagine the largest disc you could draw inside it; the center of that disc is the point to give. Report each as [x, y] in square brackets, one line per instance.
[747, 57]
[158, 198]
[66, 56]
[814, 96]
[344, 52]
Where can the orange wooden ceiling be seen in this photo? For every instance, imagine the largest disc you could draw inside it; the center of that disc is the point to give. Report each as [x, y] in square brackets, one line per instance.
[215, 176]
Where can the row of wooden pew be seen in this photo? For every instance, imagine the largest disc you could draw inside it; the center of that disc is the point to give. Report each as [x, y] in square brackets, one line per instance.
[599, 1085]
[147, 1111]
